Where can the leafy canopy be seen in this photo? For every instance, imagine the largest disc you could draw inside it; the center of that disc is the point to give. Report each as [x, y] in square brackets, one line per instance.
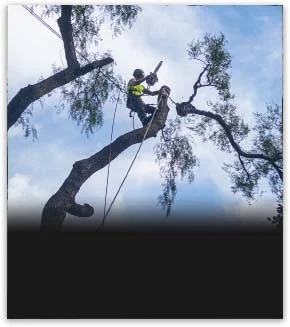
[268, 140]
[211, 51]
[87, 95]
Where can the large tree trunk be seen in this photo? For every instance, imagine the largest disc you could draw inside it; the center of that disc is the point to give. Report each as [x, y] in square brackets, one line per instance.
[63, 201]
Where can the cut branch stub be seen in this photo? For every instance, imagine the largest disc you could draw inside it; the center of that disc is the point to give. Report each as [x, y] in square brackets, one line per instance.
[183, 109]
[81, 210]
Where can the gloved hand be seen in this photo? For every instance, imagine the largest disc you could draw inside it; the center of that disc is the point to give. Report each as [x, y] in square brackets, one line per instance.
[153, 75]
[151, 79]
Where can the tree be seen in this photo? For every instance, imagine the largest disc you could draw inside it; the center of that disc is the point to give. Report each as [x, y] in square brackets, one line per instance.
[221, 125]
[89, 81]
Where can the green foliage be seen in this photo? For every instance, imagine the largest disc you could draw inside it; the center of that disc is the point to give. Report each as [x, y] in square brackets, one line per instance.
[244, 181]
[267, 141]
[211, 51]
[88, 19]
[211, 130]
[47, 10]
[269, 130]
[86, 27]
[121, 16]
[277, 221]
[27, 126]
[87, 95]
[175, 158]
[246, 174]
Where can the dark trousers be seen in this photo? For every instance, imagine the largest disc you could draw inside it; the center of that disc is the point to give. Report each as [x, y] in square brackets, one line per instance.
[137, 105]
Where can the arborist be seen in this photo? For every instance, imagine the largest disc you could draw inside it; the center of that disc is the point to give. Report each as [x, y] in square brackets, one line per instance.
[136, 90]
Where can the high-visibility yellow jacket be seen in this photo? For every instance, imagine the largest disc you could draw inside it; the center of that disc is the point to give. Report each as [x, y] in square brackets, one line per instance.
[136, 89]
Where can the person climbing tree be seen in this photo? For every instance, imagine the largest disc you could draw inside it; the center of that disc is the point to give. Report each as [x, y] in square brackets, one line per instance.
[135, 91]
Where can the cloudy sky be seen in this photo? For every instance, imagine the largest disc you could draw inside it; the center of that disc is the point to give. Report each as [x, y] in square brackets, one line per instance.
[37, 169]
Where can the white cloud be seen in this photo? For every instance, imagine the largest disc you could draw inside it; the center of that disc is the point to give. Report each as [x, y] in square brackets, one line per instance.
[263, 19]
[15, 131]
[21, 188]
[25, 200]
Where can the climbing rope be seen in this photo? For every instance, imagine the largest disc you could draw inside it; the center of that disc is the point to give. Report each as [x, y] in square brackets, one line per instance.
[133, 120]
[172, 100]
[42, 21]
[110, 152]
[131, 165]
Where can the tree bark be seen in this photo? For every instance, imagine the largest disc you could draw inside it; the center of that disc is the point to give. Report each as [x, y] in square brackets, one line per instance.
[66, 29]
[63, 201]
[31, 93]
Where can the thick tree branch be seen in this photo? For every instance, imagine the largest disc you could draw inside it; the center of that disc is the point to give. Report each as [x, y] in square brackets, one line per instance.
[65, 27]
[183, 109]
[31, 93]
[63, 200]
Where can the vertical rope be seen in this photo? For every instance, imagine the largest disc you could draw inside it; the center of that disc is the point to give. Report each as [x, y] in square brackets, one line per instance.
[110, 153]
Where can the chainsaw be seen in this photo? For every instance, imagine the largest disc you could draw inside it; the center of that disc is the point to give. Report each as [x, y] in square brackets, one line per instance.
[152, 78]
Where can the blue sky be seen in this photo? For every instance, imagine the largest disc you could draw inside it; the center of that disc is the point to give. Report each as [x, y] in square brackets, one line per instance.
[36, 170]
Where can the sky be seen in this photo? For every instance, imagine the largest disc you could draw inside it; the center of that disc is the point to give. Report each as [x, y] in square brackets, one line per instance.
[37, 169]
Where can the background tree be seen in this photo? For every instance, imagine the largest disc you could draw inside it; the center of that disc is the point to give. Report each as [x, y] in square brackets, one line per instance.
[220, 125]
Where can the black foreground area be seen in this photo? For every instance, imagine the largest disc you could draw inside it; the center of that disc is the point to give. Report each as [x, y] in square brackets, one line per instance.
[157, 274]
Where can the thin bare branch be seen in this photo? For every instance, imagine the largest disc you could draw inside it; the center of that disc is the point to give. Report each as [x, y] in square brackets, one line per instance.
[197, 84]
